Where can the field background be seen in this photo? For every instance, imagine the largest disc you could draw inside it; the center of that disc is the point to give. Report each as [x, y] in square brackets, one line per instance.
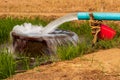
[92, 66]
[53, 8]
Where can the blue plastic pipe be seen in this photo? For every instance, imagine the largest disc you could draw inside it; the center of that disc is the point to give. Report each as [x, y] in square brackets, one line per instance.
[83, 16]
[99, 16]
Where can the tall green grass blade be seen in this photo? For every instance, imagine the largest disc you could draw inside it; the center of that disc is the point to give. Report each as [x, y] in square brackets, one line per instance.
[7, 64]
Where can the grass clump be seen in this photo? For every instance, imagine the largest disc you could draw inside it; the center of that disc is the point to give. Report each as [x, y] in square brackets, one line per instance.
[70, 51]
[7, 64]
[82, 29]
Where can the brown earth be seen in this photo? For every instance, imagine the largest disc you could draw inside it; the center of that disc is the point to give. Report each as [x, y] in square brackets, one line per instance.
[53, 8]
[101, 65]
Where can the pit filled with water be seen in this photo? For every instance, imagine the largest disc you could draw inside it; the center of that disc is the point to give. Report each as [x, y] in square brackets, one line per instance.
[34, 43]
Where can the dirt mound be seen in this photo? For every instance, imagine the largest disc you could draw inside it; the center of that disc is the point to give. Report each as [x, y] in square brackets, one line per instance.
[101, 65]
[32, 8]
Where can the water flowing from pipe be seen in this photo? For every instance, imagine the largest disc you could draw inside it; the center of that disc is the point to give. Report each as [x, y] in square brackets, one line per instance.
[54, 24]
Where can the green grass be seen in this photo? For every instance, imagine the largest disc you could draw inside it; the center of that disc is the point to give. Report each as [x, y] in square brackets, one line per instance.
[107, 44]
[70, 51]
[10, 66]
[7, 24]
[7, 64]
[82, 29]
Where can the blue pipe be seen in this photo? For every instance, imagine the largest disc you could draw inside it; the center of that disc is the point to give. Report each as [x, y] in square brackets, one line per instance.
[99, 16]
[83, 16]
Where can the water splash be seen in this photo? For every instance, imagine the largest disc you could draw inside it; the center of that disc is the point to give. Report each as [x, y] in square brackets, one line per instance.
[51, 41]
[54, 24]
[27, 28]
[49, 34]
[34, 31]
